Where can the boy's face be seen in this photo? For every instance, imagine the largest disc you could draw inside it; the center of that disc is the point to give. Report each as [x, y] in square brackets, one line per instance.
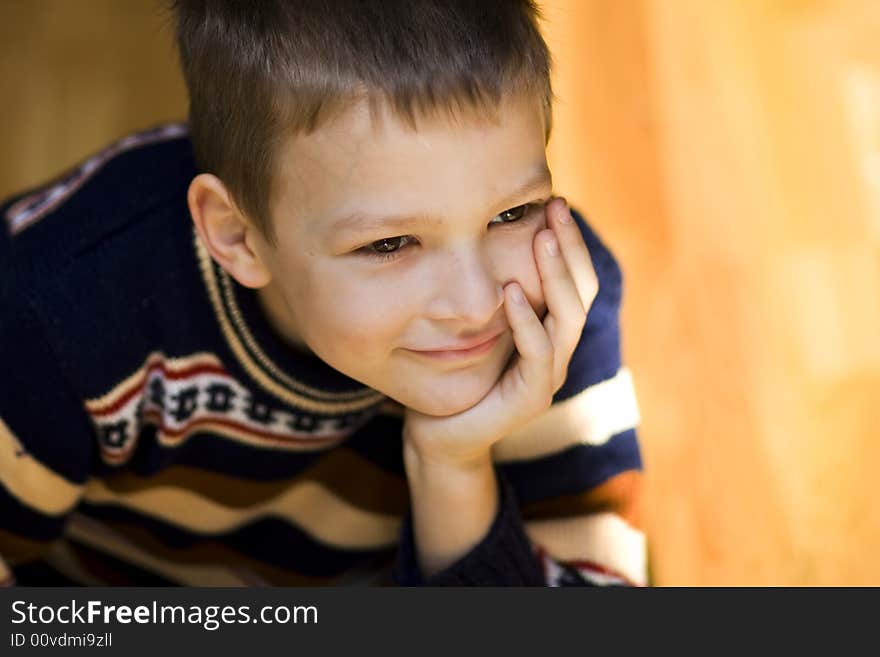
[440, 285]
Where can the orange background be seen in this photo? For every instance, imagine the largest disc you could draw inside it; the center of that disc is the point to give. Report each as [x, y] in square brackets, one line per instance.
[729, 154]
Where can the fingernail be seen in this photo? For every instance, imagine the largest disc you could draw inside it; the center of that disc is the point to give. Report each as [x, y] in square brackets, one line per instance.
[551, 246]
[518, 295]
[565, 216]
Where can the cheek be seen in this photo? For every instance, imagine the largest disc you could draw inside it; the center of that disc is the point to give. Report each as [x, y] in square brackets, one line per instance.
[515, 261]
[357, 315]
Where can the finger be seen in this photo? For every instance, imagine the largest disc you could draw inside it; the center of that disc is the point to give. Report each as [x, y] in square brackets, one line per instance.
[530, 379]
[566, 315]
[574, 250]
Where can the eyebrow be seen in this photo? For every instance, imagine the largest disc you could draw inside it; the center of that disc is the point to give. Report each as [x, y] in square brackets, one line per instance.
[363, 223]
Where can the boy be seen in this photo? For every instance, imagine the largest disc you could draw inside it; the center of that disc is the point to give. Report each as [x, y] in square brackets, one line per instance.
[381, 351]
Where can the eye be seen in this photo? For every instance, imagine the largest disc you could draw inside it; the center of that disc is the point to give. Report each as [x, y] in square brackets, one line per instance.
[514, 214]
[389, 248]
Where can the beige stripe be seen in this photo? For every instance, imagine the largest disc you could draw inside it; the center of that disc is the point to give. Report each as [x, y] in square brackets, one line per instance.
[97, 536]
[271, 386]
[31, 482]
[603, 538]
[171, 364]
[591, 417]
[308, 505]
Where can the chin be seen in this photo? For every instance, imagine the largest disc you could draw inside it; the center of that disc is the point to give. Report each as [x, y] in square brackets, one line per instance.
[444, 401]
[442, 409]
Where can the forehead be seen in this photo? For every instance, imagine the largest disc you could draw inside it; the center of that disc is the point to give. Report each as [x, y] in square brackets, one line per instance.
[374, 163]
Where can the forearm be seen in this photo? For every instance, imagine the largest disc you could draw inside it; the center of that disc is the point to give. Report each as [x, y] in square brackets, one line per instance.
[452, 508]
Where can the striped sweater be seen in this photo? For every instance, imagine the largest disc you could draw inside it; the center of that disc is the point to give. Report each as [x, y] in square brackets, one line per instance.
[155, 430]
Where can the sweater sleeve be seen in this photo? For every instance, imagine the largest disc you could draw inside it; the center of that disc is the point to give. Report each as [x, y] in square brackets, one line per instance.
[45, 437]
[504, 557]
[577, 468]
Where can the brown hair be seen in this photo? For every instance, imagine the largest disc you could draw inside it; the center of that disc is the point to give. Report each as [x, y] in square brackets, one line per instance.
[261, 71]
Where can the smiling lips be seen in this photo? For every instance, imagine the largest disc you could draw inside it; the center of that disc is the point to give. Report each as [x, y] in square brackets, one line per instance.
[474, 347]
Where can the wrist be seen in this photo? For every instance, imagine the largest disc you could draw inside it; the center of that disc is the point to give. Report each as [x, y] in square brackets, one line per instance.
[418, 459]
[452, 507]
[438, 477]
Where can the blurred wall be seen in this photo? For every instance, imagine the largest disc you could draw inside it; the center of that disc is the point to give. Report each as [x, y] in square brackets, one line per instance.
[729, 154]
[77, 74]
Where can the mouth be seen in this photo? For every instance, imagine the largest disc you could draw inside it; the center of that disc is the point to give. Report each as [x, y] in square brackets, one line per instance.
[461, 354]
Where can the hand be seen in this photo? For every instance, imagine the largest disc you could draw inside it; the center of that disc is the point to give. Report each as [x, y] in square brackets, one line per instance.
[537, 370]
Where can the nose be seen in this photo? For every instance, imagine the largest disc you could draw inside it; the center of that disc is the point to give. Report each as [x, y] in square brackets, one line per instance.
[468, 289]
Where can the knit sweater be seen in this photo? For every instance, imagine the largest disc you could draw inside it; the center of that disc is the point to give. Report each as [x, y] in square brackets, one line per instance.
[154, 428]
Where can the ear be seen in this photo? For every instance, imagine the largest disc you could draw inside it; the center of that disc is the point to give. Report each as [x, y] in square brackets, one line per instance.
[230, 237]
